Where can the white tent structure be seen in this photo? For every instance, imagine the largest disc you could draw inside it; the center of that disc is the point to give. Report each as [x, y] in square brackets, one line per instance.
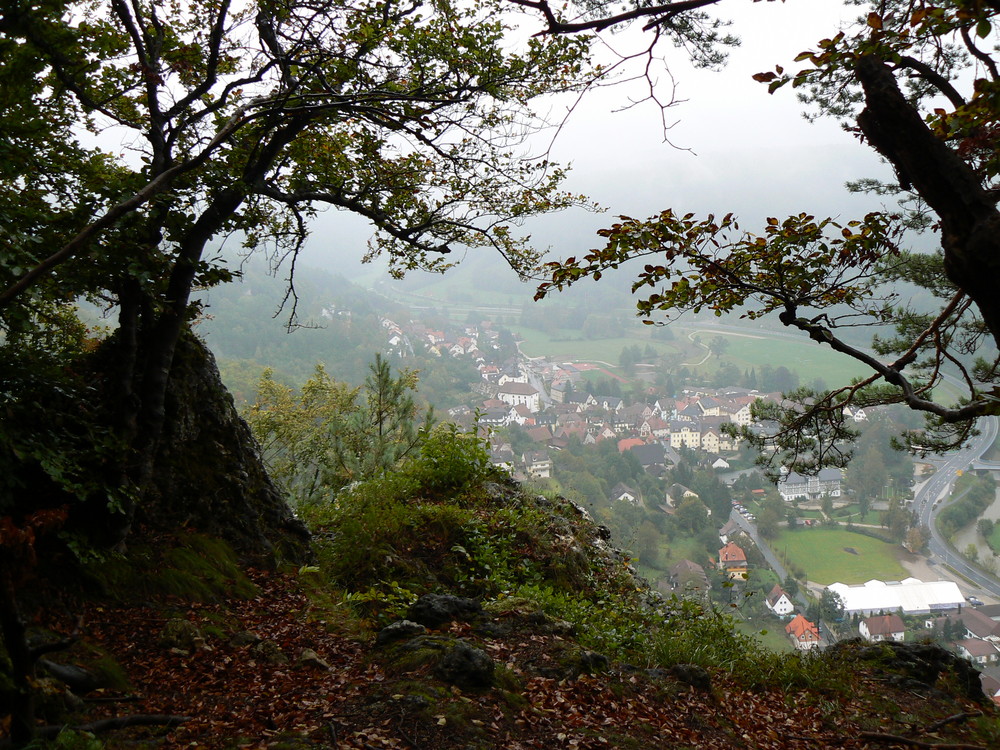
[911, 596]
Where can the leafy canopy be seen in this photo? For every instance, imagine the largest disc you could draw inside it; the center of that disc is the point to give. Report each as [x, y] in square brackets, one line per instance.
[136, 135]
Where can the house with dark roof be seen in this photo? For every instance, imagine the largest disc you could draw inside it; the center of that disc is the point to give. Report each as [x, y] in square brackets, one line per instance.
[779, 602]
[650, 456]
[978, 625]
[882, 628]
[689, 576]
[794, 486]
[537, 464]
[978, 651]
[991, 687]
[622, 491]
[730, 529]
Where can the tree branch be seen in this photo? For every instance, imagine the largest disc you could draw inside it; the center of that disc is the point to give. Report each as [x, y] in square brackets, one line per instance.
[660, 14]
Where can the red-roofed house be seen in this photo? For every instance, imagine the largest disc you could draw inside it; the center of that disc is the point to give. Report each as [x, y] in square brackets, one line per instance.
[733, 560]
[629, 443]
[804, 634]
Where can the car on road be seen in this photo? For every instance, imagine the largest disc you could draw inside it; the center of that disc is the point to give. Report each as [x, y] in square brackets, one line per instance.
[975, 602]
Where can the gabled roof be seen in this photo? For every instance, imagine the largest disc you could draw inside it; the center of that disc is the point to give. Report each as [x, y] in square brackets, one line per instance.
[649, 454]
[730, 527]
[991, 685]
[802, 629]
[539, 434]
[979, 624]
[977, 647]
[518, 389]
[776, 593]
[621, 489]
[885, 624]
[686, 566]
[732, 553]
[629, 443]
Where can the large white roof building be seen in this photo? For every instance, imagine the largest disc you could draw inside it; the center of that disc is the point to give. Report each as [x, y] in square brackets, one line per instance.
[911, 596]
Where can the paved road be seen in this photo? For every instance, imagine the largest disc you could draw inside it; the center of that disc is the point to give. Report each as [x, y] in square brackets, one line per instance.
[937, 488]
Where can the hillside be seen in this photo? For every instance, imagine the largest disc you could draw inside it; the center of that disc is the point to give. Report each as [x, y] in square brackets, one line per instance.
[540, 636]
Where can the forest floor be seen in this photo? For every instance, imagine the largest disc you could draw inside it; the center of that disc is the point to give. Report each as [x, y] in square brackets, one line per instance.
[236, 694]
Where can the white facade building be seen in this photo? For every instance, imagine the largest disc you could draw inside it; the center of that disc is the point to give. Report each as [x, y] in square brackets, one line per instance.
[911, 596]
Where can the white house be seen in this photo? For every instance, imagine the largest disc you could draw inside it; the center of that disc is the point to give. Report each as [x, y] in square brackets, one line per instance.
[514, 393]
[537, 464]
[779, 602]
[793, 485]
[978, 651]
[882, 628]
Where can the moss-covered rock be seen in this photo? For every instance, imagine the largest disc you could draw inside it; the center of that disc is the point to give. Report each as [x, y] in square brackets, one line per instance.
[451, 660]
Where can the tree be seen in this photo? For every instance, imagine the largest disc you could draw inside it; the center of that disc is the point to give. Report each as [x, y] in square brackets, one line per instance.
[647, 544]
[323, 439]
[897, 519]
[897, 79]
[916, 538]
[772, 513]
[831, 606]
[691, 515]
[242, 120]
[867, 476]
[718, 345]
[791, 586]
[826, 504]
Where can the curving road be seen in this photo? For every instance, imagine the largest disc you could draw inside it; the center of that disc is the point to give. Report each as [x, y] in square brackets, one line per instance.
[937, 488]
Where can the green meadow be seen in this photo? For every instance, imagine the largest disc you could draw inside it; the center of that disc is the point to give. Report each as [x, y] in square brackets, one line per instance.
[828, 555]
[804, 357]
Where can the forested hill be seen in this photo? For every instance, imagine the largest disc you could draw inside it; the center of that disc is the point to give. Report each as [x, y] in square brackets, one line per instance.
[260, 322]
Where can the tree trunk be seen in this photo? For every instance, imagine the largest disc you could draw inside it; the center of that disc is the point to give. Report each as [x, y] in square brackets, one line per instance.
[22, 709]
[970, 222]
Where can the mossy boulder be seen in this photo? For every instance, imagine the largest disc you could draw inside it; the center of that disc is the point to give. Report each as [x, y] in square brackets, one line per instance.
[451, 660]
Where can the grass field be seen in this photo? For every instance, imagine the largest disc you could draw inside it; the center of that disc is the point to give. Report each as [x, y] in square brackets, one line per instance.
[852, 512]
[823, 554]
[770, 634]
[538, 344]
[805, 357]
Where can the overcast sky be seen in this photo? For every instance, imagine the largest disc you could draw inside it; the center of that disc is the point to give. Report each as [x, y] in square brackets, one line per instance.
[750, 152]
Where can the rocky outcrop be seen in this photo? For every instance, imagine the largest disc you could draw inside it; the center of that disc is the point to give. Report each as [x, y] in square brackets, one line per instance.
[209, 475]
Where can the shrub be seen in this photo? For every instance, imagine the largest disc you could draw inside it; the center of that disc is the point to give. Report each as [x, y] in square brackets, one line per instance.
[450, 460]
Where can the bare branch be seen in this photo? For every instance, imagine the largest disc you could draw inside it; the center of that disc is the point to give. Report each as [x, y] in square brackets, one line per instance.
[660, 14]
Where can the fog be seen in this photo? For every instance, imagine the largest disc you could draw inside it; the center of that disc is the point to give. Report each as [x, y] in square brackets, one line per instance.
[732, 147]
